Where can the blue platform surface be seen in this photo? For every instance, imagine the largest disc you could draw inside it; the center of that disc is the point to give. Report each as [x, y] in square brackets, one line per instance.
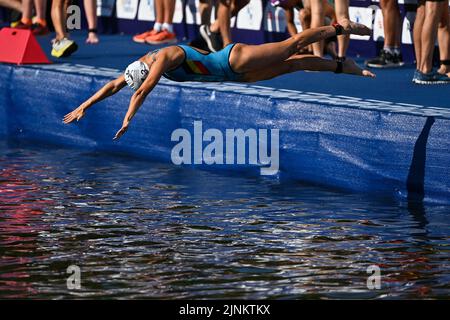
[383, 135]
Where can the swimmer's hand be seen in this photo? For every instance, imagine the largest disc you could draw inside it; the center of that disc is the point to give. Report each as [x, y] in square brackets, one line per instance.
[76, 114]
[350, 27]
[350, 67]
[122, 131]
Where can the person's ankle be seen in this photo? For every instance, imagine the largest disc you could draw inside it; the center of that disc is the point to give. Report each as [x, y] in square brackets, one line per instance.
[388, 49]
[214, 28]
[443, 69]
[157, 26]
[168, 27]
[60, 37]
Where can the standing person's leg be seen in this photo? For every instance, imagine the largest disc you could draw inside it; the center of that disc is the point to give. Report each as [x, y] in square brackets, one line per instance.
[304, 16]
[222, 23]
[343, 40]
[169, 9]
[167, 34]
[391, 16]
[205, 7]
[444, 42]
[157, 26]
[225, 24]
[417, 31]
[58, 19]
[390, 55]
[159, 8]
[11, 4]
[90, 8]
[433, 10]
[62, 46]
[25, 21]
[40, 25]
[425, 73]
[317, 20]
[218, 35]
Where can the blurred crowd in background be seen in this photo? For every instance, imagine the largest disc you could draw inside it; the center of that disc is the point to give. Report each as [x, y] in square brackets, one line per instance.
[431, 27]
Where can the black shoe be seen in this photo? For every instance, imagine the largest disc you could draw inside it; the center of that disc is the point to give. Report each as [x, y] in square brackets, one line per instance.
[199, 43]
[398, 59]
[386, 60]
[212, 39]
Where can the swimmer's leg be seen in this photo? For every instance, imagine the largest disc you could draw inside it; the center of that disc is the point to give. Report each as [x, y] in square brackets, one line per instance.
[305, 62]
[248, 58]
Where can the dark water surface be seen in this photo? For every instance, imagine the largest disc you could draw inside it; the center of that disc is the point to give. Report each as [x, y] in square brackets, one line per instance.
[141, 229]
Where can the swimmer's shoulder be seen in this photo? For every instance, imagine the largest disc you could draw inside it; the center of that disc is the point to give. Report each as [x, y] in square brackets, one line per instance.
[173, 54]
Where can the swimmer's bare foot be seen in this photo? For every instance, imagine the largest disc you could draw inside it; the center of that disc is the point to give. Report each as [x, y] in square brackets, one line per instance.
[76, 114]
[350, 27]
[350, 67]
[92, 38]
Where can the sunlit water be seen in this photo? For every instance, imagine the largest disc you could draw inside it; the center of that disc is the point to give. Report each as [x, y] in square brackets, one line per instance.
[141, 229]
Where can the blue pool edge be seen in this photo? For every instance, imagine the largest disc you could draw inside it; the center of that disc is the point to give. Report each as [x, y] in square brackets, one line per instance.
[343, 142]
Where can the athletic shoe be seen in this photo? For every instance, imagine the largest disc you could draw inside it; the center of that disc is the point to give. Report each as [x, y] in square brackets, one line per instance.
[430, 78]
[23, 26]
[163, 37]
[15, 23]
[199, 43]
[386, 60]
[63, 48]
[212, 39]
[140, 38]
[15, 18]
[415, 76]
[39, 30]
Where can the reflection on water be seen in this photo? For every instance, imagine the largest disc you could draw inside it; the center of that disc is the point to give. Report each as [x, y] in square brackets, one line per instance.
[140, 229]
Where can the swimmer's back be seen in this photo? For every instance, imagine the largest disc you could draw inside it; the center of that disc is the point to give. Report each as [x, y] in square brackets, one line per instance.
[204, 67]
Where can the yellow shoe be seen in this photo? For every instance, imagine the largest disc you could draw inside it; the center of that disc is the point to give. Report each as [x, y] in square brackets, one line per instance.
[63, 48]
[15, 23]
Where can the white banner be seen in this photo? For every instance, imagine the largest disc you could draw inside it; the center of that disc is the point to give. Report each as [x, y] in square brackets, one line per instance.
[378, 27]
[193, 12]
[407, 28]
[105, 7]
[178, 14]
[274, 19]
[147, 10]
[361, 15]
[250, 17]
[127, 9]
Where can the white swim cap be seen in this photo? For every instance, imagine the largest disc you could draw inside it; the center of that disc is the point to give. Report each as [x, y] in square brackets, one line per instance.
[135, 74]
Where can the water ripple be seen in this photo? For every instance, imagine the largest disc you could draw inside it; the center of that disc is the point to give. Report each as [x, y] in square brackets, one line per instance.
[140, 229]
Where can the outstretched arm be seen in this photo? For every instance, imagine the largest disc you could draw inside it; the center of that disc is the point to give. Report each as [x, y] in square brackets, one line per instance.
[107, 90]
[157, 69]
